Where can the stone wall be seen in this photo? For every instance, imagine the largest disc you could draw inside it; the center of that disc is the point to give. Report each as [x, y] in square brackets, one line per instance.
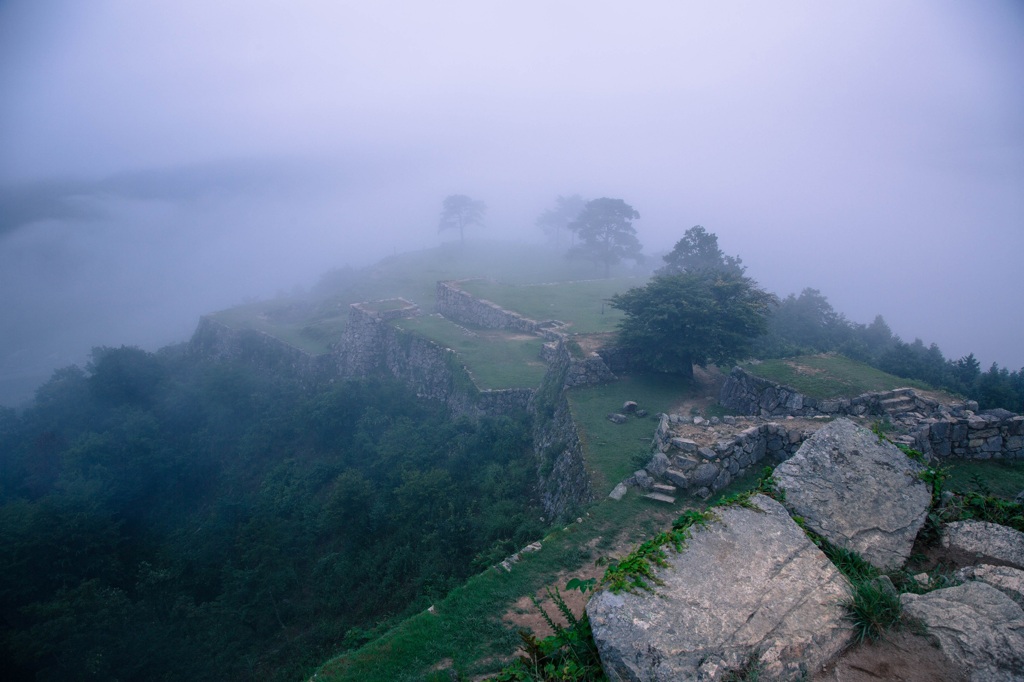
[464, 308]
[991, 435]
[954, 430]
[702, 470]
[371, 346]
[259, 350]
[753, 395]
[564, 483]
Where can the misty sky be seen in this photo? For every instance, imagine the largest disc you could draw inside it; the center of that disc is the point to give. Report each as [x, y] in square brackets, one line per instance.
[163, 159]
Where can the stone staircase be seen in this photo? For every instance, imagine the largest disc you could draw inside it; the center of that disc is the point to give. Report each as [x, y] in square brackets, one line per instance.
[898, 401]
[661, 492]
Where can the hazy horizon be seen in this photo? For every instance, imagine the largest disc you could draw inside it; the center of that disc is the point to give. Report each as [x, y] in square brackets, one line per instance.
[163, 161]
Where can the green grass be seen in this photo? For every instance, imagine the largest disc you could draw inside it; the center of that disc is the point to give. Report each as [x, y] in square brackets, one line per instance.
[999, 477]
[495, 359]
[583, 303]
[291, 320]
[315, 321]
[467, 628]
[828, 376]
[610, 448]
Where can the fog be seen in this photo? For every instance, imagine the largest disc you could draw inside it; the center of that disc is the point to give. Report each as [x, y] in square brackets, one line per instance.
[163, 160]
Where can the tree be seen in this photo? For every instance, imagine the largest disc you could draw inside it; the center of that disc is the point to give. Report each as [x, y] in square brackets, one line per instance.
[459, 212]
[692, 318]
[698, 250]
[607, 235]
[556, 221]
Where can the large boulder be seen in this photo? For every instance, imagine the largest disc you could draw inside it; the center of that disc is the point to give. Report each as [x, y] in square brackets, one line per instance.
[977, 627]
[980, 541]
[858, 491]
[1006, 579]
[750, 585]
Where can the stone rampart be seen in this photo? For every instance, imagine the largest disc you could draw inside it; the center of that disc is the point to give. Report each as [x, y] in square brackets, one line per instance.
[954, 430]
[993, 435]
[753, 395]
[259, 350]
[464, 308]
[702, 470]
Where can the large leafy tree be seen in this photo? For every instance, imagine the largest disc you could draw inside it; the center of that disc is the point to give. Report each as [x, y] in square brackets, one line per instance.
[698, 251]
[458, 212]
[692, 318]
[606, 232]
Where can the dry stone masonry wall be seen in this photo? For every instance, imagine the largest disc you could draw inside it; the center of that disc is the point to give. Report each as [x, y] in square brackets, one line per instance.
[463, 307]
[956, 430]
[703, 469]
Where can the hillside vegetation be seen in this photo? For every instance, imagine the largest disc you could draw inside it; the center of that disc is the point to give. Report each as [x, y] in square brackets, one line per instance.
[828, 375]
[166, 516]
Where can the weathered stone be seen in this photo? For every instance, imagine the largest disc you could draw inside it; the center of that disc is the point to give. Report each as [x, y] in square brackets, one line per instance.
[856, 491]
[684, 444]
[704, 475]
[658, 464]
[780, 604]
[986, 542]
[641, 479]
[977, 626]
[707, 453]
[617, 418]
[628, 407]
[678, 478]
[619, 491]
[1006, 579]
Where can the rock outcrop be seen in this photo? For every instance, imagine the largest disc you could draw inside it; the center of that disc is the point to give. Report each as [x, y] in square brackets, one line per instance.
[748, 587]
[857, 491]
[977, 626]
[985, 542]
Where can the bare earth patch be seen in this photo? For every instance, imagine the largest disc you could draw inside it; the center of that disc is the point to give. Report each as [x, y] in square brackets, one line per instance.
[900, 656]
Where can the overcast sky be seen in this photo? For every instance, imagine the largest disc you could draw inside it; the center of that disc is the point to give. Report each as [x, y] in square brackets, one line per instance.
[873, 150]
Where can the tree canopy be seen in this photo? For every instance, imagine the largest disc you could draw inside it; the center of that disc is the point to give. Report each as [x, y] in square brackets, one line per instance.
[556, 221]
[606, 232]
[698, 309]
[698, 250]
[459, 211]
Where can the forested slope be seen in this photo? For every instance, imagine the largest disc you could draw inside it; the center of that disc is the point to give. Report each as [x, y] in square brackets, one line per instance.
[164, 517]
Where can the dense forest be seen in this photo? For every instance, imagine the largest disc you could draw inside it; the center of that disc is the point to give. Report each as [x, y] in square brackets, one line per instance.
[809, 324]
[165, 517]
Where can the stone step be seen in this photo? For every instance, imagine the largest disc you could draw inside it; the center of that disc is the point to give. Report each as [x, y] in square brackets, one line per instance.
[664, 489]
[658, 497]
[898, 404]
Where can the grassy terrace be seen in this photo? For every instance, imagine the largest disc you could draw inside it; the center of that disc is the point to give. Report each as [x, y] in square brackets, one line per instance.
[495, 359]
[828, 376]
[612, 449]
[583, 303]
[314, 322]
[290, 321]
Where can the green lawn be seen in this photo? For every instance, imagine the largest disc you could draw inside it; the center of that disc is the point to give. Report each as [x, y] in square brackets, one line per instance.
[289, 320]
[466, 632]
[315, 321]
[828, 376]
[495, 359]
[1000, 477]
[583, 304]
[611, 449]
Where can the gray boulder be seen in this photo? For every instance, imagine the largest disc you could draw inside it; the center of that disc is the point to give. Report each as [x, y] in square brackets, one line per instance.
[857, 491]
[750, 584]
[658, 465]
[985, 542]
[1006, 579]
[977, 627]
